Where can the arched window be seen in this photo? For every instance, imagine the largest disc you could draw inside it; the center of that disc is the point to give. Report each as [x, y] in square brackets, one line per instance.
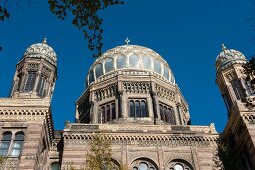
[134, 61]
[179, 164]
[99, 70]
[107, 113]
[132, 108]
[41, 90]
[55, 166]
[5, 143]
[19, 82]
[137, 109]
[91, 76]
[30, 82]
[143, 109]
[171, 116]
[17, 144]
[143, 164]
[157, 66]
[121, 62]
[146, 62]
[238, 89]
[167, 114]
[108, 65]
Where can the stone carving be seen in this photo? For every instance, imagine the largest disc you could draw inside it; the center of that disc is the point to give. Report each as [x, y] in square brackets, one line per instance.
[106, 92]
[46, 71]
[33, 66]
[165, 93]
[136, 87]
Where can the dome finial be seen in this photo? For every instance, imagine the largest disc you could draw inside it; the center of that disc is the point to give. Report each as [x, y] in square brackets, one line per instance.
[44, 41]
[223, 47]
[127, 41]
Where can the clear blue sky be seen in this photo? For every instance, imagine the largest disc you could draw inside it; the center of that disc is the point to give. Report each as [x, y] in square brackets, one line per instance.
[188, 34]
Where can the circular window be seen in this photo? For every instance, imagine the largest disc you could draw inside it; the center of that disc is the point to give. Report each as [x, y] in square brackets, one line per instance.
[178, 167]
[143, 166]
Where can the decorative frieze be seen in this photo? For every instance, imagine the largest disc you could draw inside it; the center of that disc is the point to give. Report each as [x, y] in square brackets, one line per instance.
[136, 87]
[33, 66]
[106, 92]
[165, 93]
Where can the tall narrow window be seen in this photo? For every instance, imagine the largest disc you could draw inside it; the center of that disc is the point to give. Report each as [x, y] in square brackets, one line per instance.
[157, 66]
[41, 86]
[134, 61]
[108, 65]
[166, 72]
[108, 111]
[113, 111]
[103, 114]
[137, 109]
[19, 82]
[55, 166]
[17, 144]
[143, 109]
[238, 90]
[99, 70]
[132, 108]
[121, 62]
[30, 81]
[171, 116]
[91, 76]
[5, 143]
[146, 62]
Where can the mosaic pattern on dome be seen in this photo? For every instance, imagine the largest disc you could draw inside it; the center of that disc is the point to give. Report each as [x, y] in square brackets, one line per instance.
[41, 50]
[227, 57]
[130, 57]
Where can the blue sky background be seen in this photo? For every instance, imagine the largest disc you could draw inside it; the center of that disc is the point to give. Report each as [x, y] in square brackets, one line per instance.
[188, 34]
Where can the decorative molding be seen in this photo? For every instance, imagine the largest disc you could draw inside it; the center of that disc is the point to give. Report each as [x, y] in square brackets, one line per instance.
[136, 87]
[105, 92]
[165, 93]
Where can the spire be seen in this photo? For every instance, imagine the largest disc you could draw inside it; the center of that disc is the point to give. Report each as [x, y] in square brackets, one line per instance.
[223, 47]
[127, 41]
[44, 41]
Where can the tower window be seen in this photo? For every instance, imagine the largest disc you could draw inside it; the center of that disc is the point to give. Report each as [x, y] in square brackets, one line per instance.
[30, 81]
[91, 76]
[107, 113]
[167, 114]
[146, 62]
[157, 66]
[5, 143]
[137, 108]
[11, 146]
[99, 70]
[41, 90]
[238, 90]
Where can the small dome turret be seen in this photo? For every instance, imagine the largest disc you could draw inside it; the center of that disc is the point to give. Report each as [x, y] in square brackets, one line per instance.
[41, 50]
[228, 57]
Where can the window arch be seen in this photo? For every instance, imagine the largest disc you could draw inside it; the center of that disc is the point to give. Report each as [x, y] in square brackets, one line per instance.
[30, 81]
[5, 143]
[108, 65]
[99, 70]
[106, 113]
[179, 164]
[121, 62]
[134, 61]
[167, 114]
[144, 164]
[17, 144]
[137, 108]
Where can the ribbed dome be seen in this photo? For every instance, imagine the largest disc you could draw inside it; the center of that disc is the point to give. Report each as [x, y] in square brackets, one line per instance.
[132, 57]
[228, 57]
[42, 50]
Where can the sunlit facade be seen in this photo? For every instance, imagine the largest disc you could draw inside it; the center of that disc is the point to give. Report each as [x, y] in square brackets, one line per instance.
[132, 99]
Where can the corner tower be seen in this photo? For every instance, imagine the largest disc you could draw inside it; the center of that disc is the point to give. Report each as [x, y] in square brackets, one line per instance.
[36, 72]
[26, 125]
[237, 92]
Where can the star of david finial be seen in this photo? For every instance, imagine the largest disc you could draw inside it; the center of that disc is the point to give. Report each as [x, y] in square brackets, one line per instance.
[127, 41]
